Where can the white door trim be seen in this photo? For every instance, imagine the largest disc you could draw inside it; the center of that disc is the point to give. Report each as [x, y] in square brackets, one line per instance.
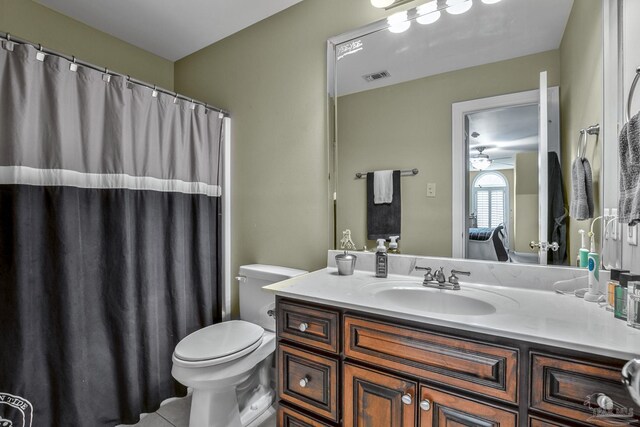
[459, 152]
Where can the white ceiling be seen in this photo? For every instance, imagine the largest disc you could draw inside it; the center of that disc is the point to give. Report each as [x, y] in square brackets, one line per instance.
[504, 132]
[485, 34]
[170, 29]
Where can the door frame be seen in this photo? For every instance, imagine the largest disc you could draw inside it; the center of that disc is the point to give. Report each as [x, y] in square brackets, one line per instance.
[459, 152]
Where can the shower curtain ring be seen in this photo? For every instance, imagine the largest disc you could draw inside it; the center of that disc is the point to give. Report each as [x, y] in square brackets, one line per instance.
[40, 55]
[175, 98]
[154, 93]
[193, 105]
[8, 45]
[106, 77]
[73, 66]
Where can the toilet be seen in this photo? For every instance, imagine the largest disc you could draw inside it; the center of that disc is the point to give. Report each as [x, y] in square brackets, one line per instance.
[230, 365]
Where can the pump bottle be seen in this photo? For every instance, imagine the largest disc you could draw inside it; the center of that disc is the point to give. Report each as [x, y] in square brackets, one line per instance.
[381, 259]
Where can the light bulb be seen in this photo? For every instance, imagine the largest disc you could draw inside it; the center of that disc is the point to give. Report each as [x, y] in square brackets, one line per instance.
[399, 22]
[428, 13]
[457, 7]
[381, 3]
[491, 1]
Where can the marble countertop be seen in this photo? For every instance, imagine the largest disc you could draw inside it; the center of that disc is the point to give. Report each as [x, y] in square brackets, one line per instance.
[538, 316]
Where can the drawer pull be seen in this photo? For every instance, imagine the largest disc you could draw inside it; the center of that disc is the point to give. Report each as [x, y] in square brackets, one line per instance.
[604, 402]
[425, 405]
[407, 399]
[303, 327]
[304, 381]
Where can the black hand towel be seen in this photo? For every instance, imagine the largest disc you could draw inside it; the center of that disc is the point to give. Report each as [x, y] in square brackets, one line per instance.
[383, 220]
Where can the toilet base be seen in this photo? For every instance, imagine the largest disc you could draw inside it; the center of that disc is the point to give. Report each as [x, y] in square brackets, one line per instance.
[219, 408]
[214, 408]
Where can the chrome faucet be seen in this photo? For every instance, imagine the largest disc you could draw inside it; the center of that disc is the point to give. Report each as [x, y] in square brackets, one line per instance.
[438, 279]
[439, 275]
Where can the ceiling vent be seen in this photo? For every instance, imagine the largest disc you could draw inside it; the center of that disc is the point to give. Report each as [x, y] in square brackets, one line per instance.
[376, 76]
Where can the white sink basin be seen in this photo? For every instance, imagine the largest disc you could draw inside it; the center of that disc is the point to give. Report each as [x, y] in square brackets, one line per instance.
[465, 302]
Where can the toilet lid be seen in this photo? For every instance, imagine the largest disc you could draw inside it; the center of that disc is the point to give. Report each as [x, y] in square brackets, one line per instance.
[219, 340]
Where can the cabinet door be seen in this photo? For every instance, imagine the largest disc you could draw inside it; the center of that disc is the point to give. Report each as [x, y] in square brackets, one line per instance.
[374, 399]
[437, 408]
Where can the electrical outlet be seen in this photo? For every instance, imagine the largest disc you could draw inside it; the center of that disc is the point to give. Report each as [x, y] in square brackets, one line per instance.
[632, 235]
[431, 189]
[606, 218]
[615, 225]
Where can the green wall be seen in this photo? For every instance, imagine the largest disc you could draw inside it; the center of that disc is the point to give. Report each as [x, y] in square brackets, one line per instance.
[581, 99]
[272, 77]
[38, 24]
[408, 125]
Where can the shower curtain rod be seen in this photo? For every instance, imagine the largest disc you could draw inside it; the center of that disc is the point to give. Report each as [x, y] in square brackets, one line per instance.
[9, 38]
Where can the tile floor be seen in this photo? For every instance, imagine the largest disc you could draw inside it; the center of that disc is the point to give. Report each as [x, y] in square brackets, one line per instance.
[176, 414]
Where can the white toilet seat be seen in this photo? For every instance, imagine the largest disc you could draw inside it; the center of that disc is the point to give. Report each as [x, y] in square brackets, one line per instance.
[218, 344]
[218, 360]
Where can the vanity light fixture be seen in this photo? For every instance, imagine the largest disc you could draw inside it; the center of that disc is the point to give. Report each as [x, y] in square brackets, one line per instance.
[382, 3]
[457, 7]
[491, 1]
[399, 22]
[428, 13]
[480, 161]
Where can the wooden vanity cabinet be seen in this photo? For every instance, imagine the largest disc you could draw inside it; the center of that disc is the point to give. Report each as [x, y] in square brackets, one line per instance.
[372, 398]
[370, 371]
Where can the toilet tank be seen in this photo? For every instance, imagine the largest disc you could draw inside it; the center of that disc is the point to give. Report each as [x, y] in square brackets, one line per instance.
[256, 302]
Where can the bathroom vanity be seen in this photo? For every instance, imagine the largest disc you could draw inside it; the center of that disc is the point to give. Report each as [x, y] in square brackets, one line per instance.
[354, 361]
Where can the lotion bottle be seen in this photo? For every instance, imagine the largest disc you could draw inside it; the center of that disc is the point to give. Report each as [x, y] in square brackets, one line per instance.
[381, 260]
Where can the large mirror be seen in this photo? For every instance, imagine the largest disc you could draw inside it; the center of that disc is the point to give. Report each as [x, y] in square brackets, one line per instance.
[484, 110]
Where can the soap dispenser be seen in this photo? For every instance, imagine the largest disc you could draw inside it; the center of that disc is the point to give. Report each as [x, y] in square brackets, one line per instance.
[393, 245]
[381, 259]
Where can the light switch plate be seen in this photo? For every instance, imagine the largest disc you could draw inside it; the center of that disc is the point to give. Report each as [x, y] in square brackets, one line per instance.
[632, 235]
[431, 189]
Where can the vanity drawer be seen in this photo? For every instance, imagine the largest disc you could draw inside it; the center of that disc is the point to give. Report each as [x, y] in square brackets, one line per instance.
[448, 409]
[539, 422]
[288, 417]
[481, 368]
[308, 325]
[308, 380]
[569, 387]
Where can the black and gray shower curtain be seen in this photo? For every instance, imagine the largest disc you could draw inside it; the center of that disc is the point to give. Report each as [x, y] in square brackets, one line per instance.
[109, 241]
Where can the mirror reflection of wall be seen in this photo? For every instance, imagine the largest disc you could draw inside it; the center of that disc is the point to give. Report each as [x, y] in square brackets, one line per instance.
[403, 118]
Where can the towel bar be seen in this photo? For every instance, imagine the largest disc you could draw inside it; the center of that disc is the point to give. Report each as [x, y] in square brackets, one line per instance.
[406, 172]
[631, 93]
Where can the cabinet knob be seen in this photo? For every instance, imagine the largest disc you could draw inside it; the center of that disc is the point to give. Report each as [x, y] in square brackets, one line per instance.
[425, 405]
[303, 327]
[303, 382]
[604, 402]
[407, 399]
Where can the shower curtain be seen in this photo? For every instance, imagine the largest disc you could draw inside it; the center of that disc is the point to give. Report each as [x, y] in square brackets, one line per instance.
[109, 241]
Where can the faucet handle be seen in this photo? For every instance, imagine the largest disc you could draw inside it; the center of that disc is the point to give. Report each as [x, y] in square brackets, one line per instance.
[453, 279]
[428, 277]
